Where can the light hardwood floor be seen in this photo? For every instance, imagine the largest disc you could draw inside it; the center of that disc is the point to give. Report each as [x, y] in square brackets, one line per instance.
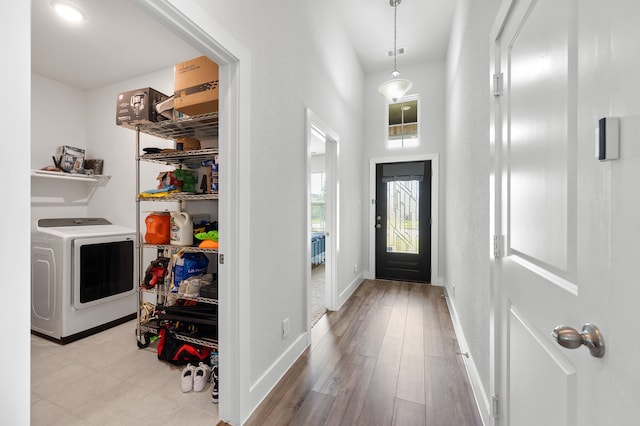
[388, 357]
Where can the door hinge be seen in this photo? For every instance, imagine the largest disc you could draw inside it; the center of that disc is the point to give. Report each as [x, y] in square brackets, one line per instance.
[498, 245]
[497, 84]
[495, 406]
[221, 258]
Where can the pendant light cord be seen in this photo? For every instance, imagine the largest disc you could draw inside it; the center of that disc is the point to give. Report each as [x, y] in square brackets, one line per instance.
[395, 50]
[396, 87]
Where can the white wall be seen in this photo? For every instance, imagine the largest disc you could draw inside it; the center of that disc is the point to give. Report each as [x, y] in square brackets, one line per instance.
[609, 210]
[63, 115]
[467, 177]
[58, 117]
[116, 145]
[15, 111]
[429, 83]
[300, 57]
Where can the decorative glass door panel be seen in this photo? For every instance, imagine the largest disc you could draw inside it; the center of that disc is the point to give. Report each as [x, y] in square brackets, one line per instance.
[403, 216]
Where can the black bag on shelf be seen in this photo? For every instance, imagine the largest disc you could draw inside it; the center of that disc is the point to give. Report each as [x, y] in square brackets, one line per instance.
[177, 352]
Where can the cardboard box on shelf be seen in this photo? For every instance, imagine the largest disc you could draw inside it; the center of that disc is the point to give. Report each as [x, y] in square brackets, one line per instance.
[139, 107]
[209, 184]
[196, 88]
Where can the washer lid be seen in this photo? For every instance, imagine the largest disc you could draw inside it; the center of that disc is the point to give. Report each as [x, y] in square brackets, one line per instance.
[72, 221]
[69, 228]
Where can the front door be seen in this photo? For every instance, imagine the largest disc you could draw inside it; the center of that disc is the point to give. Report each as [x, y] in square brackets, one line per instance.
[567, 226]
[403, 215]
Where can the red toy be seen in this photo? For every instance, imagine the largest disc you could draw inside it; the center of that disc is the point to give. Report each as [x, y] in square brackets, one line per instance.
[156, 271]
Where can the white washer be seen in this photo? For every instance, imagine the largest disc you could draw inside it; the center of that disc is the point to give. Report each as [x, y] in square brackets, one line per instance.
[83, 277]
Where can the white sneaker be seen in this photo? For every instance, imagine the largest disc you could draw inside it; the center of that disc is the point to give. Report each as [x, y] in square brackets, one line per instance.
[187, 378]
[201, 377]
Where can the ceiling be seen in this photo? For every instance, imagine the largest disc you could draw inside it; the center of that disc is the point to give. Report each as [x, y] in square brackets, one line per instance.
[125, 41]
[423, 30]
[117, 35]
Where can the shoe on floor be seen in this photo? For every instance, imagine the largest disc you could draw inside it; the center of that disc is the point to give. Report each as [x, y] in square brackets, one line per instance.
[201, 377]
[214, 379]
[187, 378]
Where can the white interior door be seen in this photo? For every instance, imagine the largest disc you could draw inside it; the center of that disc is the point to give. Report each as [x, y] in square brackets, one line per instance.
[568, 224]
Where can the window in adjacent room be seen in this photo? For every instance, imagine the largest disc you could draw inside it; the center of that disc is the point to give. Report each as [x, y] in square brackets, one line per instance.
[318, 198]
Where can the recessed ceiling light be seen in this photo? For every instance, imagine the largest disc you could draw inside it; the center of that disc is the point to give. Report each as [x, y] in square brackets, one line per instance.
[68, 11]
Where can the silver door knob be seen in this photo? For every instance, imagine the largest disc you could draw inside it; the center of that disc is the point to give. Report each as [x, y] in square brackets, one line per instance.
[589, 336]
[378, 226]
[378, 218]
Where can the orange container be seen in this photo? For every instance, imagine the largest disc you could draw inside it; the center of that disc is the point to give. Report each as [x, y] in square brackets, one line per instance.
[158, 228]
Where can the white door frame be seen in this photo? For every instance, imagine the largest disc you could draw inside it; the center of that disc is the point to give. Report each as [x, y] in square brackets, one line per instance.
[497, 383]
[435, 185]
[332, 144]
[198, 28]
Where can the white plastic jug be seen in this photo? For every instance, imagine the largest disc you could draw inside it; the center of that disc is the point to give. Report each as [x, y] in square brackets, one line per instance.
[181, 229]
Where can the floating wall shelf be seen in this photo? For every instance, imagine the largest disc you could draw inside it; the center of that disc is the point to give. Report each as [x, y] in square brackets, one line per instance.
[101, 179]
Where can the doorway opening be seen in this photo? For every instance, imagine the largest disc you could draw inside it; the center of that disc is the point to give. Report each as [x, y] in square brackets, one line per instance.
[233, 60]
[322, 149]
[403, 221]
[432, 244]
[318, 228]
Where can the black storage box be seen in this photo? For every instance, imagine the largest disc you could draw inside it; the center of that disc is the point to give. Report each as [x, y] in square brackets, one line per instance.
[139, 107]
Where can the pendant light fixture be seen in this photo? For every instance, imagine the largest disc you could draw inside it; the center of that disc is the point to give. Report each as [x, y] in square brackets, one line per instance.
[396, 87]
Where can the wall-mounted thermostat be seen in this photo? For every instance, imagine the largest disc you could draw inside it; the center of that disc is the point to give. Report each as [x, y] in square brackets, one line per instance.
[608, 138]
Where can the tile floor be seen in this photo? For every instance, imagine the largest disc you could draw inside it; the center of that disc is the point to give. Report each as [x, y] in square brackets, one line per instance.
[105, 379]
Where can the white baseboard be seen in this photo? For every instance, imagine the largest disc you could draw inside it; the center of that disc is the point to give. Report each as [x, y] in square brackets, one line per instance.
[261, 387]
[437, 281]
[351, 288]
[482, 399]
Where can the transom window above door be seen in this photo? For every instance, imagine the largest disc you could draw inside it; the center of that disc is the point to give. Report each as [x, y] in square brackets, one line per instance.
[402, 124]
